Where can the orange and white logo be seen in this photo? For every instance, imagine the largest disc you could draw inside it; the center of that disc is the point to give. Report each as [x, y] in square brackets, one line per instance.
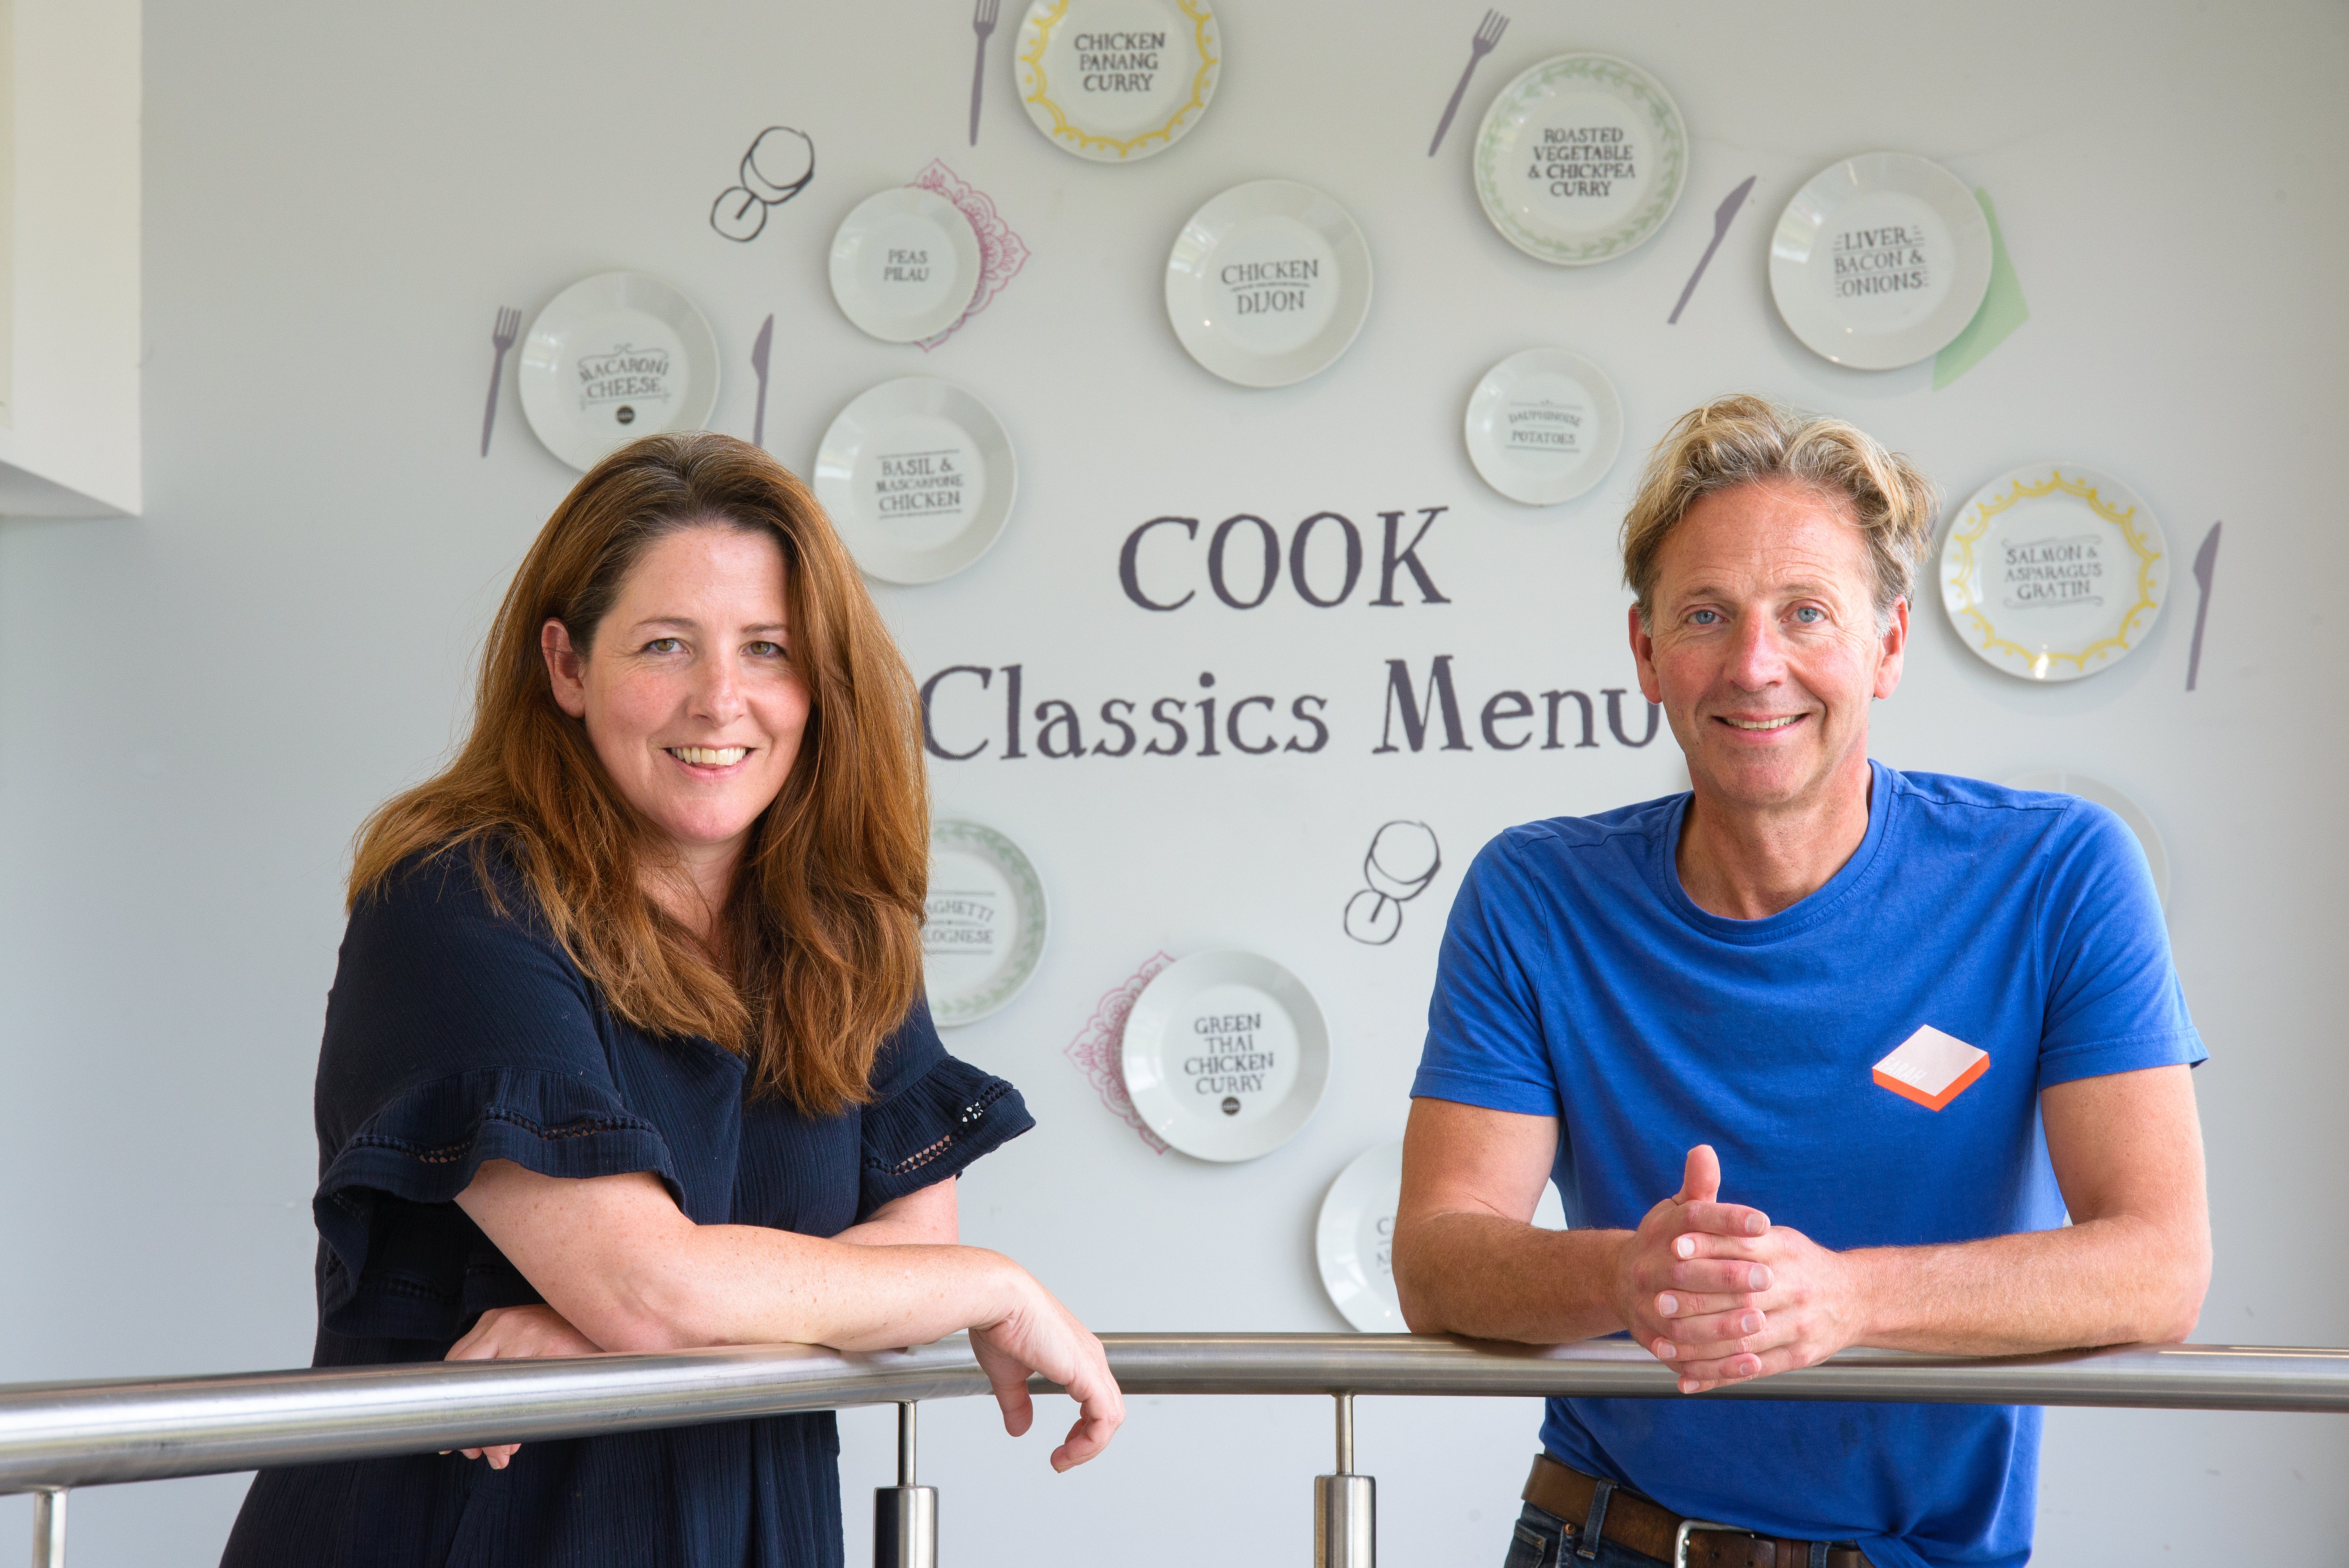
[1931, 1067]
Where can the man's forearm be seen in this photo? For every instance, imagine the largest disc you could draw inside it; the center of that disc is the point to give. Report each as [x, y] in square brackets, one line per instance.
[1492, 1278]
[2121, 1280]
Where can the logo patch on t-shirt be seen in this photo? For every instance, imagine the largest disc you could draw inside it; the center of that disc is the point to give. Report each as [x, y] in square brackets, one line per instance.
[1931, 1067]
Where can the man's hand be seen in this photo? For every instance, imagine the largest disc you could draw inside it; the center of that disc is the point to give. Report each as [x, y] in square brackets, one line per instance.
[1724, 1296]
[1686, 1280]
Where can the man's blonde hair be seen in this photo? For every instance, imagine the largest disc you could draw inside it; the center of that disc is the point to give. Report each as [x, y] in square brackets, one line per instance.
[1744, 439]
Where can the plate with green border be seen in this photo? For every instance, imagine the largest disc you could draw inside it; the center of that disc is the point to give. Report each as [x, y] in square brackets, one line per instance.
[983, 923]
[1581, 158]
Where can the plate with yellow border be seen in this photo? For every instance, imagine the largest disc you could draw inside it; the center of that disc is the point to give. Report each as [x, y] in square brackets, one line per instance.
[1117, 80]
[2055, 572]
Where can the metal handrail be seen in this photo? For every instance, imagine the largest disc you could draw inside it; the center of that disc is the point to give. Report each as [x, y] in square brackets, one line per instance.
[55, 1436]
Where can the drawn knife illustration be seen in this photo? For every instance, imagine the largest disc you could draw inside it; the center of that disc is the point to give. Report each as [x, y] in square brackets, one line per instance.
[758, 363]
[2206, 565]
[1722, 216]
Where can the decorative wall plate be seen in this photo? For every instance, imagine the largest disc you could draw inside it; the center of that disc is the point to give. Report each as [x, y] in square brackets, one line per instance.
[2055, 572]
[1544, 426]
[918, 477]
[1881, 261]
[983, 934]
[1117, 80]
[2063, 781]
[1581, 158]
[613, 358]
[1269, 282]
[1354, 1241]
[1226, 1055]
[905, 264]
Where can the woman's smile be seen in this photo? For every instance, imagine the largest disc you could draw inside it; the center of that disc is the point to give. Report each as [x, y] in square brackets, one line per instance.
[709, 762]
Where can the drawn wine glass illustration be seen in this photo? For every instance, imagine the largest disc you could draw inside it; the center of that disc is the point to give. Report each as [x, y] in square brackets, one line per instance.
[778, 167]
[1403, 859]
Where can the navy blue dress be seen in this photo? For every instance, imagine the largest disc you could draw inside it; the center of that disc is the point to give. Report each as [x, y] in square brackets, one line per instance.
[457, 1035]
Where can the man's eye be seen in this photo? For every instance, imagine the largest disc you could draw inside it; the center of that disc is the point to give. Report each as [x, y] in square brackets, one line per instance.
[665, 646]
[1810, 615]
[1706, 618]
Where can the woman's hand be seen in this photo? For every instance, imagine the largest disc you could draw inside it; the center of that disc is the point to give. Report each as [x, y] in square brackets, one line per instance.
[1040, 1335]
[517, 1333]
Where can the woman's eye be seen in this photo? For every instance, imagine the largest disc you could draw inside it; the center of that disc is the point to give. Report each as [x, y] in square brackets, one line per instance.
[766, 651]
[665, 646]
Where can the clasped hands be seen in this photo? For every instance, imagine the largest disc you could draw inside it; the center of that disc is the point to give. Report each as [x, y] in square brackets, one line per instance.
[1718, 1293]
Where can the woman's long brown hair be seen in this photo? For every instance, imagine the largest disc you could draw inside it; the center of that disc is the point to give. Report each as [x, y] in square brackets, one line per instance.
[821, 954]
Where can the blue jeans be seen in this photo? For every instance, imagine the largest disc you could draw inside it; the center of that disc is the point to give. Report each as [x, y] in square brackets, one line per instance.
[1537, 1537]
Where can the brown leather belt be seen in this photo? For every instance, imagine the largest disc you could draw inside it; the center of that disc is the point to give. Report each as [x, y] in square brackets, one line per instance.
[1643, 1526]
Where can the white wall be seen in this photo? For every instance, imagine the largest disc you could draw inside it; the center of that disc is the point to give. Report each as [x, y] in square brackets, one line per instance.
[196, 707]
[69, 430]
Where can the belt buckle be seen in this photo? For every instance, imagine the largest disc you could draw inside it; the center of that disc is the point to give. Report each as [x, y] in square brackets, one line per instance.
[1681, 1536]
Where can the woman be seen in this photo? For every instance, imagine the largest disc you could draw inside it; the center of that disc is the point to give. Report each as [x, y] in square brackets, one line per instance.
[627, 1049]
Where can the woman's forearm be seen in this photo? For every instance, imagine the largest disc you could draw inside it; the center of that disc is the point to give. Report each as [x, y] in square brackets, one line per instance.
[615, 1257]
[746, 1285]
[626, 1269]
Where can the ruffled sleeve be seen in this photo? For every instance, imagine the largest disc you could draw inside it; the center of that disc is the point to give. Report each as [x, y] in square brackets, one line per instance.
[931, 1115]
[456, 1034]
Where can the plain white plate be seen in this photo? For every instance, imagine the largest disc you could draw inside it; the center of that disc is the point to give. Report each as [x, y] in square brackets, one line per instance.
[918, 477]
[2063, 781]
[983, 931]
[1226, 1055]
[613, 358]
[2055, 572]
[905, 264]
[1581, 158]
[1353, 1240]
[1269, 282]
[1117, 80]
[1881, 259]
[1544, 426]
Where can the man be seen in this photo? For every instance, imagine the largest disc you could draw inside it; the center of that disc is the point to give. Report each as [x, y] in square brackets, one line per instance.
[1779, 989]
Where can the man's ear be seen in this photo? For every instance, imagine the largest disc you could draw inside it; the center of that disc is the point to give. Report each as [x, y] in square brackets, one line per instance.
[1643, 654]
[1894, 648]
[566, 669]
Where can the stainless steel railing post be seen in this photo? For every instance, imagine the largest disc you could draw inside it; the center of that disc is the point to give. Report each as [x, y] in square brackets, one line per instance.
[906, 1516]
[49, 1527]
[1345, 1506]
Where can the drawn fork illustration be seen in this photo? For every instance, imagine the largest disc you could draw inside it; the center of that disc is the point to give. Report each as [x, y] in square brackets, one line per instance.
[982, 22]
[502, 338]
[1488, 33]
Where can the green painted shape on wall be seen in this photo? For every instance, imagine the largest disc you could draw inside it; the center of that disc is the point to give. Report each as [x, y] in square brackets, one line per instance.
[2002, 310]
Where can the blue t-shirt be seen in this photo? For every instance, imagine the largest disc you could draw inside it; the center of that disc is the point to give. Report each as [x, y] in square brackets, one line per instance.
[1579, 981]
